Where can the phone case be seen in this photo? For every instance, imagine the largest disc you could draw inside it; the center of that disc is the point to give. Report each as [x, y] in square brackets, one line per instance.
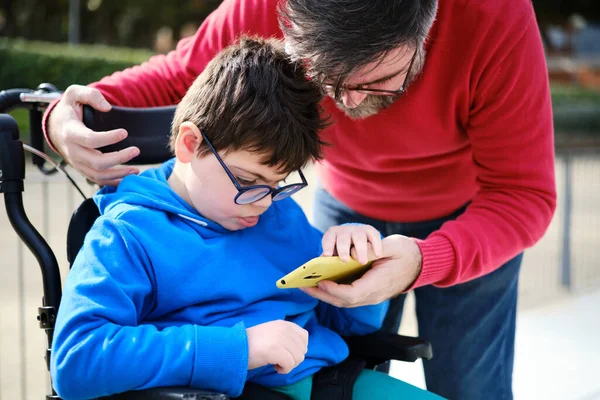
[323, 268]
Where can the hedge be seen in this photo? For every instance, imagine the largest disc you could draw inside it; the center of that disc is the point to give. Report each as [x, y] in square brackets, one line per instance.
[27, 64]
[576, 110]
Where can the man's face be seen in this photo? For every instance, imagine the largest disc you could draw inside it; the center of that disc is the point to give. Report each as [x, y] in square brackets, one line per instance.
[392, 72]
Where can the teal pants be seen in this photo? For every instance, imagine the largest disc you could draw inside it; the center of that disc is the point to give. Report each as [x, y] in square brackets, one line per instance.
[369, 385]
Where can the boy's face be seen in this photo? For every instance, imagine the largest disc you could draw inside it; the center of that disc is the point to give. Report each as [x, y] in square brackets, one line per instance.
[205, 185]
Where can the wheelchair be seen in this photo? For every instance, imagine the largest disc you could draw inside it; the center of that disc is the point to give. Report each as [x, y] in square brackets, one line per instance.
[149, 130]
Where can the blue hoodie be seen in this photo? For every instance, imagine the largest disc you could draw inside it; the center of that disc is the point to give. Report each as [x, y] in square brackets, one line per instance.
[161, 296]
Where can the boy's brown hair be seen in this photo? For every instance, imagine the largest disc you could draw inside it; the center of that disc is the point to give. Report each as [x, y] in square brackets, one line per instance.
[252, 97]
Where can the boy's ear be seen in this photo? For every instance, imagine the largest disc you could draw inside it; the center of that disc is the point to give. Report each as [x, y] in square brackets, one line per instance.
[188, 140]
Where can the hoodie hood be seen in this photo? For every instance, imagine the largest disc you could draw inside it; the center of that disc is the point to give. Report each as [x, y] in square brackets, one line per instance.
[150, 189]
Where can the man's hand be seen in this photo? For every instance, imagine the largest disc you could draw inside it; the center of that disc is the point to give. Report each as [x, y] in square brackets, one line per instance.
[361, 242]
[77, 144]
[389, 276]
[280, 343]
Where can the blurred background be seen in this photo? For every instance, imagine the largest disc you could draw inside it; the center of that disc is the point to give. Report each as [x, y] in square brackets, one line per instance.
[80, 41]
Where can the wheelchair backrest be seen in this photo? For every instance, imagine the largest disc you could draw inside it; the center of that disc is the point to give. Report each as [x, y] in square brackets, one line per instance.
[148, 128]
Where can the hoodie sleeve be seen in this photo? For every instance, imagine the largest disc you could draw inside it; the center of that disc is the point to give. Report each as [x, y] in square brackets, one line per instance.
[101, 344]
[347, 321]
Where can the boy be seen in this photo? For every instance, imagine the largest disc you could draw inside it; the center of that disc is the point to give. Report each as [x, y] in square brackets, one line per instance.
[175, 283]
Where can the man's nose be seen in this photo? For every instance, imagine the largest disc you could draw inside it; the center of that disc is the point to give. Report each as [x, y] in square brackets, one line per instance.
[352, 98]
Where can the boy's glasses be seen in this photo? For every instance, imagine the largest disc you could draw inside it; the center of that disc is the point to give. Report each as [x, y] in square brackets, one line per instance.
[253, 193]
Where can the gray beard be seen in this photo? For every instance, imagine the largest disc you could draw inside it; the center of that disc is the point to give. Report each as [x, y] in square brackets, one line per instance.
[371, 105]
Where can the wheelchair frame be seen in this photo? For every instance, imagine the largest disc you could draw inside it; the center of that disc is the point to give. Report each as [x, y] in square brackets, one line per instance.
[374, 348]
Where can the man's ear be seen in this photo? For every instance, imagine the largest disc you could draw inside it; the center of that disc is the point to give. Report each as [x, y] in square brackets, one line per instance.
[188, 140]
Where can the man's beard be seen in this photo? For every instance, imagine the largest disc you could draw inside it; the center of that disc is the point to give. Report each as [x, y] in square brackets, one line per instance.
[372, 105]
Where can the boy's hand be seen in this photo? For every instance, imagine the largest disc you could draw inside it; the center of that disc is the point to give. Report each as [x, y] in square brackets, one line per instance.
[280, 343]
[361, 242]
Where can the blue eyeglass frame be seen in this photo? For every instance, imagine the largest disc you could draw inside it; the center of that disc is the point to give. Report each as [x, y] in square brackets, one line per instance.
[284, 191]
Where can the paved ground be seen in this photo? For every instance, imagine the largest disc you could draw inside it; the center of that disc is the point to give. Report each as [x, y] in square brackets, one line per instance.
[558, 354]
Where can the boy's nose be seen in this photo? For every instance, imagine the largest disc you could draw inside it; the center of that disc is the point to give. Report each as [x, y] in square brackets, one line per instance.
[352, 98]
[264, 203]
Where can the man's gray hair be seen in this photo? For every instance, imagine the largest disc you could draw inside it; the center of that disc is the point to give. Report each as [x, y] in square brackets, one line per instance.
[339, 37]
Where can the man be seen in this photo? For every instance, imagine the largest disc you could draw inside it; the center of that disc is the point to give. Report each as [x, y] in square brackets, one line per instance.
[441, 138]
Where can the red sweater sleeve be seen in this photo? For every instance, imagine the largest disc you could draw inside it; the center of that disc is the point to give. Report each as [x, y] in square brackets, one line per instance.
[511, 134]
[164, 79]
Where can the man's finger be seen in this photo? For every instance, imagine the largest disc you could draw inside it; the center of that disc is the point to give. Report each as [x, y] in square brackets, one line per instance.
[108, 175]
[93, 97]
[114, 182]
[347, 294]
[323, 296]
[97, 160]
[78, 133]
[365, 287]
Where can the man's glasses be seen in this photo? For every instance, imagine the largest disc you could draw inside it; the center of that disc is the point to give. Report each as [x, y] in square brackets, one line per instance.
[253, 193]
[377, 92]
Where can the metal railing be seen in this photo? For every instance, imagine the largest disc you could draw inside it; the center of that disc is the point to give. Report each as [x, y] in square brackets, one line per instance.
[580, 253]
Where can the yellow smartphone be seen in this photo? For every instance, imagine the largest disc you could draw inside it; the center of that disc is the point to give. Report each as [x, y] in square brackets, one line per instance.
[323, 268]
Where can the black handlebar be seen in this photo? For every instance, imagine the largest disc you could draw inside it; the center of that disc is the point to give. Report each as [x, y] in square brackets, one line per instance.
[11, 98]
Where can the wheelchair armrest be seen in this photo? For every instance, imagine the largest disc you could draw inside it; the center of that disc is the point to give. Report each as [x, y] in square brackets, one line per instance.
[379, 347]
[168, 393]
[375, 348]
[252, 391]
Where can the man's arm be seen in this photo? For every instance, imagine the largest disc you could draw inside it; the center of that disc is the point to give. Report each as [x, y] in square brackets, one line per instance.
[102, 345]
[511, 133]
[163, 80]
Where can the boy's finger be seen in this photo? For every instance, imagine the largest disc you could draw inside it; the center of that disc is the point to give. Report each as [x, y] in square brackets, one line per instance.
[302, 334]
[328, 242]
[286, 360]
[376, 242]
[359, 241]
[343, 242]
[297, 342]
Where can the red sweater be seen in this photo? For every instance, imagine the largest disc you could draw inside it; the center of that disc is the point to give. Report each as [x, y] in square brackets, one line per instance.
[476, 126]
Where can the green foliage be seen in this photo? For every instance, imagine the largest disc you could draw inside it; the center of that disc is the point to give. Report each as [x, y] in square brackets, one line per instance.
[576, 110]
[130, 23]
[572, 94]
[22, 118]
[27, 64]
